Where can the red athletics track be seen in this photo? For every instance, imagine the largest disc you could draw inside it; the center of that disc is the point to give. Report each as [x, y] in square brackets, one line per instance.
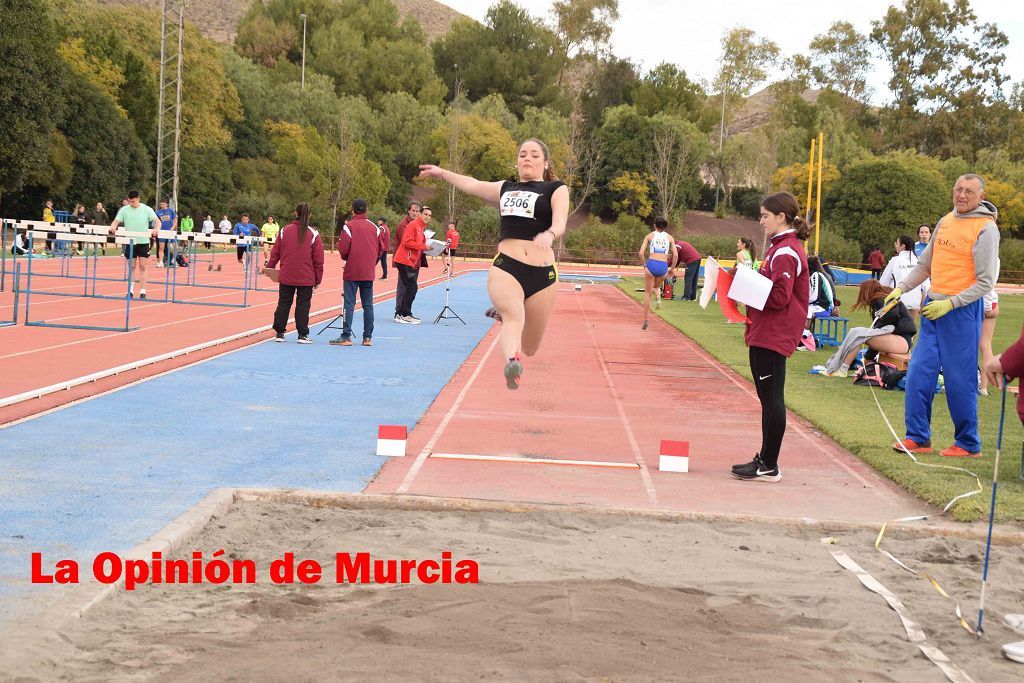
[36, 357]
[601, 390]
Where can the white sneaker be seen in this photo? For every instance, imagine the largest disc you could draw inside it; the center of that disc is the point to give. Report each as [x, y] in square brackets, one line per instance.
[412, 320]
[401, 319]
[1014, 651]
[159, 264]
[1014, 621]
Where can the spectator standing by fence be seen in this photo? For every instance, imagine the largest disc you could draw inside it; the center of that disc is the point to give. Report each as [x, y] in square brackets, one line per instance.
[385, 233]
[360, 246]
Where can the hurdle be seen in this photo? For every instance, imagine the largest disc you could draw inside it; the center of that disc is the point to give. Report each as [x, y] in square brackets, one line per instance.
[14, 315]
[91, 239]
[192, 240]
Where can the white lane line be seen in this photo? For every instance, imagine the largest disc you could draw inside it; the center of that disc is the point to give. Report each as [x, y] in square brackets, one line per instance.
[645, 475]
[427, 447]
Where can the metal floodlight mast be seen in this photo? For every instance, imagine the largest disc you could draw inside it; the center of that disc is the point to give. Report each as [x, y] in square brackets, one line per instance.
[172, 30]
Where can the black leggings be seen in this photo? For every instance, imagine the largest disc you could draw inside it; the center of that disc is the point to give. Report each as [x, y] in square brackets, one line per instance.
[769, 370]
[303, 296]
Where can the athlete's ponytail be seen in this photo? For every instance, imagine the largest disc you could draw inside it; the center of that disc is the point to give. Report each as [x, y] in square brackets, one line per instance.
[302, 214]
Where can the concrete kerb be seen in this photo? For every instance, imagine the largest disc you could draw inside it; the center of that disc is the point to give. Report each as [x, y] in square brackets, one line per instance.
[171, 538]
[373, 501]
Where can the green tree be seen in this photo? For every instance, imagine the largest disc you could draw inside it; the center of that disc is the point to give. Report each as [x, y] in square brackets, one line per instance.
[876, 201]
[582, 25]
[206, 181]
[264, 40]
[631, 192]
[608, 83]
[109, 157]
[743, 65]
[31, 83]
[511, 53]
[666, 89]
[624, 139]
[946, 68]
[676, 153]
[841, 60]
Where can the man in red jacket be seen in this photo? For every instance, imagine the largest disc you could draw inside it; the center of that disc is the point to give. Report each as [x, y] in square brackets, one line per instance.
[360, 245]
[412, 212]
[690, 257]
[408, 253]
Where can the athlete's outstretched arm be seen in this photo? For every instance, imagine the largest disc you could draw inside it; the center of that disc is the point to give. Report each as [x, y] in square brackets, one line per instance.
[559, 218]
[489, 192]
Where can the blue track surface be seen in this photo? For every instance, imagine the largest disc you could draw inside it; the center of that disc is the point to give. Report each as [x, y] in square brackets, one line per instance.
[108, 473]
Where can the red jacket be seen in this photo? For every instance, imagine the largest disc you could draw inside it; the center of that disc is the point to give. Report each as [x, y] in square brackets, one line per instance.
[399, 230]
[876, 260]
[385, 234]
[360, 244]
[685, 253]
[302, 263]
[412, 244]
[779, 326]
[1012, 361]
[453, 238]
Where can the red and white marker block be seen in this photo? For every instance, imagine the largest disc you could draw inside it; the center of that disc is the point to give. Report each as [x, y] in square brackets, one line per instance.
[675, 456]
[391, 440]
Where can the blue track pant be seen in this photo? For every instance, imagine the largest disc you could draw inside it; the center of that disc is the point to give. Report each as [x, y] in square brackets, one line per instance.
[949, 344]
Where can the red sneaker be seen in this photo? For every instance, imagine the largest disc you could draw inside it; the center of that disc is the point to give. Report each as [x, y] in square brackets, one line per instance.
[955, 451]
[912, 446]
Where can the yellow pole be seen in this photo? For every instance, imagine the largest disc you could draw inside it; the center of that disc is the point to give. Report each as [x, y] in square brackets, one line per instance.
[810, 178]
[817, 210]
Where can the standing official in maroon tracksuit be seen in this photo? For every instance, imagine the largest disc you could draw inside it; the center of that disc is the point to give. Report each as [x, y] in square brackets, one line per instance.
[300, 252]
[360, 245]
[774, 332]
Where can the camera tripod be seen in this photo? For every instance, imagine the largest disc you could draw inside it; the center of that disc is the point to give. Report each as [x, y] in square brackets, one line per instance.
[447, 312]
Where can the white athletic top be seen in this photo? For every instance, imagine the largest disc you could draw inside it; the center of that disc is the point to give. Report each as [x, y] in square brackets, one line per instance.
[897, 269]
[660, 242]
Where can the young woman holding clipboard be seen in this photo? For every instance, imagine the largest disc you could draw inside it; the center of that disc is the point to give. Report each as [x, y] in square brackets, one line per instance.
[773, 333]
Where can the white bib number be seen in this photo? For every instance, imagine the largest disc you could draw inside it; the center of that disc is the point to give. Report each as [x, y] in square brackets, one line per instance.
[519, 203]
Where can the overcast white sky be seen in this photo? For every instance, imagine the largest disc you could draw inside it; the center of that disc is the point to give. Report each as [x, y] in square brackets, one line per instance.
[688, 32]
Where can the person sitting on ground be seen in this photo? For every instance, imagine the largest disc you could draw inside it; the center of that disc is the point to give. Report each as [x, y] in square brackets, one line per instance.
[900, 265]
[872, 295]
[657, 263]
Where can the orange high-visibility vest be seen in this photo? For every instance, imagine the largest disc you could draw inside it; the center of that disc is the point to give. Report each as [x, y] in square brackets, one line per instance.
[952, 267]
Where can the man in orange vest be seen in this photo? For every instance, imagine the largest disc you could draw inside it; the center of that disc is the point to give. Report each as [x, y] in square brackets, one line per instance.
[962, 260]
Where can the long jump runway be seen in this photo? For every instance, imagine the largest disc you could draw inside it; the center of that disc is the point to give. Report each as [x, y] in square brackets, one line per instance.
[586, 425]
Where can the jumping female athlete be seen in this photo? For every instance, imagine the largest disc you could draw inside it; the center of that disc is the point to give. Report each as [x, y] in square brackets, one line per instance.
[522, 280]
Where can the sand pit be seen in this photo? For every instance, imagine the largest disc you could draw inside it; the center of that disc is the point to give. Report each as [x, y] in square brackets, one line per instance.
[562, 596]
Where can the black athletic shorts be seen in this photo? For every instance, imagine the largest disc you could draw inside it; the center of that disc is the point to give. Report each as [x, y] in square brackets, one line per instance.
[531, 278]
[241, 252]
[137, 251]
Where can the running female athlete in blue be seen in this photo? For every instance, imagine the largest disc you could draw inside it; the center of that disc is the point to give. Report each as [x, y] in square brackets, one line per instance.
[658, 254]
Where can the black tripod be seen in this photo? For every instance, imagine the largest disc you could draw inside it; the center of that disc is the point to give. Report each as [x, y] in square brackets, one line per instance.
[340, 316]
[444, 314]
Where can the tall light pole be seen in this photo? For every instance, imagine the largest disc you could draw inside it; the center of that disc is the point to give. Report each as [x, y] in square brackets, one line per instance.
[303, 17]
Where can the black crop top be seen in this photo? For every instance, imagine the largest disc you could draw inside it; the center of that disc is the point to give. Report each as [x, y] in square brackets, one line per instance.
[525, 208]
